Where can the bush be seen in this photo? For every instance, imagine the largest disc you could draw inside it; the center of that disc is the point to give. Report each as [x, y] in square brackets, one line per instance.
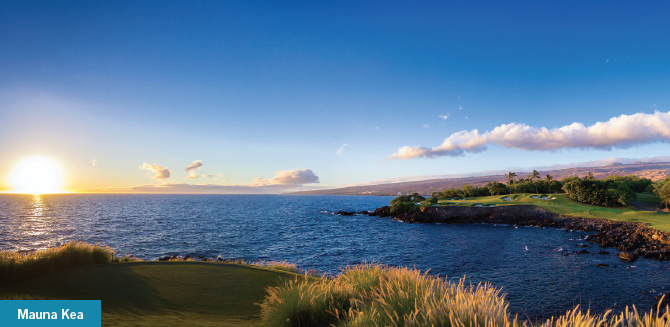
[598, 192]
[417, 198]
[402, 198]
[400, 208]
[429, 202]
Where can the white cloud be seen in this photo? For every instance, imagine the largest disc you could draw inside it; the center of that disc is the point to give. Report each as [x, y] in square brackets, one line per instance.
[341, 149]
[443, 117]
[426, 126]
[208, 176]
[93, 162]
[191, 169]
[290, 177]
[624, 131]
[160, 172]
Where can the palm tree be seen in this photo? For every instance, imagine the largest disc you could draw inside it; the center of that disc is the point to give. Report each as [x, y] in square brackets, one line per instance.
[510, 177]
[534, 175]
[589, 177]
[549, 179]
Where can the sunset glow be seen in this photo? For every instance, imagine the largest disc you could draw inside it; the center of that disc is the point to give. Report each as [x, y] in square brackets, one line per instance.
[36, 175]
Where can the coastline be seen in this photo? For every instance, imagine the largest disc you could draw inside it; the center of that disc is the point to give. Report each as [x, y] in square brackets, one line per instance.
[633, 239]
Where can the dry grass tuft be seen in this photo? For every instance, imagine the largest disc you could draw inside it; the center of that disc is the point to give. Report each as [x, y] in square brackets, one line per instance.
[16, 266]
[376, 295]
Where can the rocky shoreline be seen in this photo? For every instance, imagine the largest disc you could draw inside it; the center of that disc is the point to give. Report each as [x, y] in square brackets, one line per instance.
[633, 240]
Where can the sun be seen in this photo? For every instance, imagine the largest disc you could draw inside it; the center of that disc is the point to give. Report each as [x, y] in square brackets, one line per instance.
[36, 175]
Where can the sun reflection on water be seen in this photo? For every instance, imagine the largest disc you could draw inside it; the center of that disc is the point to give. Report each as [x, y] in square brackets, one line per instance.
[38, 220]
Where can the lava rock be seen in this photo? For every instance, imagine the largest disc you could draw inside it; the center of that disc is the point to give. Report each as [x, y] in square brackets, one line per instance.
[627, 256]
[345, 213]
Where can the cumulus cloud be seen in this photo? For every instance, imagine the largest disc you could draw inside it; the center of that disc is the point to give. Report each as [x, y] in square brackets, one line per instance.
[426, 126]
[93, 162]
[295, 176]
[443, 117]
[623, 131]
[288, 177]
[341, 149]
[159, 172]
[191, 169]
[208, 176]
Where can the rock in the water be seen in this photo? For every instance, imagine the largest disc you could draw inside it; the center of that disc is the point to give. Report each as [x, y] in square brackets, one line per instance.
[582, 252]
[603, 252]
[627, 256]
[602, 265]
[345, 213]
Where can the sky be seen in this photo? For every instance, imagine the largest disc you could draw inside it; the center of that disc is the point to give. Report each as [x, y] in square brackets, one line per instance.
[268, 97]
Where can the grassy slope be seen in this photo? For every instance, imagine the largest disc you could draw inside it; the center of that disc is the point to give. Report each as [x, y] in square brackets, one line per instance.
[160, 293]
[649, 198]
[564, 205]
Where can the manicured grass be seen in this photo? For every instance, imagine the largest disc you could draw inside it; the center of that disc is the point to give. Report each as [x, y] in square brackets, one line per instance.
[564, 205]
[649, 198]
[161, 293]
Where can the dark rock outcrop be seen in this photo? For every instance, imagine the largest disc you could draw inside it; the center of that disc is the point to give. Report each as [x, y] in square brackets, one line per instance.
[345, 213]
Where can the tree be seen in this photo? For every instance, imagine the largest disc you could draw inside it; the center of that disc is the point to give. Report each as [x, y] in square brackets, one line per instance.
[664, 194]
[549, 178]
[510, 177]
[417, 198]
[534, 175]
[469, 191]
[662, 189]
[589, 177]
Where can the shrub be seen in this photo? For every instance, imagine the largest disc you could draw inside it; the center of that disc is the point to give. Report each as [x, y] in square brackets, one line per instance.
[598, 192]
[402, 207]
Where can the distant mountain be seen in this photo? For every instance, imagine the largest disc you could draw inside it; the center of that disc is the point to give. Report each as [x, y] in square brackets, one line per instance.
[653, 171]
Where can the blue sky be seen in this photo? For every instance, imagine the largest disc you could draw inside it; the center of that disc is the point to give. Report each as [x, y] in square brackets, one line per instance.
[251, 89]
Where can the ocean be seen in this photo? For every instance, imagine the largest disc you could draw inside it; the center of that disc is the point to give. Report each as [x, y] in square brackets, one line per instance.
[525, 262]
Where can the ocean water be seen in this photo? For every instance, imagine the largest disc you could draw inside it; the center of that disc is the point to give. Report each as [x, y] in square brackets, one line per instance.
[525, 262]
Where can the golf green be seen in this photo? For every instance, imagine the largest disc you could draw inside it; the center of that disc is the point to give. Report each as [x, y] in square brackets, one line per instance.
[161, 293]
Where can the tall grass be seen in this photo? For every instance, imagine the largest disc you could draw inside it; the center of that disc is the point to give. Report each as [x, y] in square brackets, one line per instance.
[376, 295]
[16, 266]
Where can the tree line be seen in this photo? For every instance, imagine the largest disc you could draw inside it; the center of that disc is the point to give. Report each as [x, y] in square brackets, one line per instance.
[610, 191]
